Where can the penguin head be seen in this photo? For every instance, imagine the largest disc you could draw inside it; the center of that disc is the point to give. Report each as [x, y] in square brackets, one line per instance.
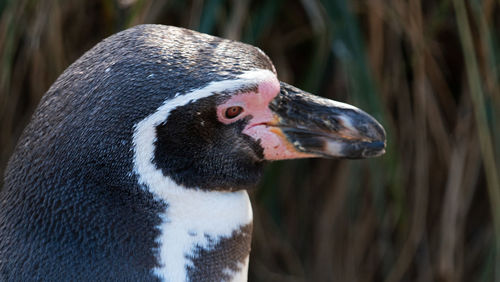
[219, 136]
[169, 105]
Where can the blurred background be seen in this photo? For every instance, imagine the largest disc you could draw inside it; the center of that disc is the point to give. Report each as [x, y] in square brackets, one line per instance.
[428, 210]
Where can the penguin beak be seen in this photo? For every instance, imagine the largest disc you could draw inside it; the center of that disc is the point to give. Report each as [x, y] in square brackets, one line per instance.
[319, 127]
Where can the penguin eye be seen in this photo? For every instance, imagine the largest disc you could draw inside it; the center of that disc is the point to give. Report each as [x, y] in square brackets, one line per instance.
[233, 112]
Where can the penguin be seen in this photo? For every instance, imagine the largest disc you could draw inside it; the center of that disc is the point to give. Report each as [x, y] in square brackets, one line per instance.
[136, 163]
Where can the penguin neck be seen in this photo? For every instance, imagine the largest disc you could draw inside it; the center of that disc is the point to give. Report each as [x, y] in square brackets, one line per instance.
[204, 234]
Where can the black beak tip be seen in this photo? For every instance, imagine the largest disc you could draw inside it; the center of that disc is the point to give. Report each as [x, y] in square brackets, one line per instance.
[363, 150]
[327, 128]
[374, 149]
[377, 137]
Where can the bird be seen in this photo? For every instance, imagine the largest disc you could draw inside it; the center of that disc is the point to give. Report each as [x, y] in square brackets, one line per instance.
[137, 162]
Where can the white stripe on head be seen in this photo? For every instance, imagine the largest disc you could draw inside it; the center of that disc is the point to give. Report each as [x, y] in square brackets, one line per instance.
[191, 214]
[145, 131]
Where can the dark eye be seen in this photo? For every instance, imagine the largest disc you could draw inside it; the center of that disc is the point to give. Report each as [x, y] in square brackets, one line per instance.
[233, 112]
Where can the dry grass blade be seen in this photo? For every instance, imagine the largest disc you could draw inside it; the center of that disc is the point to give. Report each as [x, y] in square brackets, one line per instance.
[484, 133]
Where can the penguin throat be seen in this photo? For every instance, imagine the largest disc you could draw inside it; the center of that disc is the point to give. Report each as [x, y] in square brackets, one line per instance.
[204, 234]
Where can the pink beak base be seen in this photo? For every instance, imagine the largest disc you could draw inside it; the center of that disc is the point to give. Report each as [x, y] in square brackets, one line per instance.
[262, 127]
[276, 145]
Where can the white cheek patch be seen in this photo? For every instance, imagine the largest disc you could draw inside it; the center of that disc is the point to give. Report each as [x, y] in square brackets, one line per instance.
[192, 215]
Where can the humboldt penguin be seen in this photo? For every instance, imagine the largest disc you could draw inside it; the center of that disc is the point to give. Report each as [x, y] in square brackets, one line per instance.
[136, 163]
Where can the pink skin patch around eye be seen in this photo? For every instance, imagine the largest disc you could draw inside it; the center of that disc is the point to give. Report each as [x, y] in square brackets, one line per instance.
[262, 126]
